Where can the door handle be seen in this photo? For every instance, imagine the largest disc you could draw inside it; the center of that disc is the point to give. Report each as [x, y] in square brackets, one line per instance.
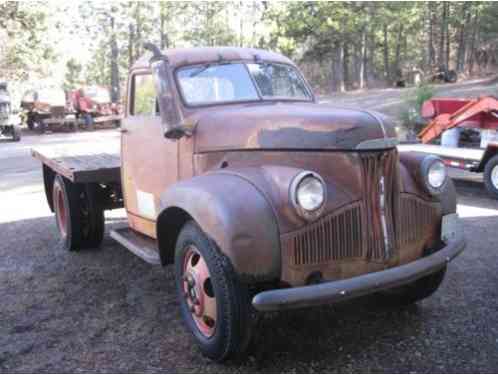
[123, 130]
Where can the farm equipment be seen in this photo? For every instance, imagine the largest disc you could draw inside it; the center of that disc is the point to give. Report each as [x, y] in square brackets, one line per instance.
[46, 109]
[9, 120]
[93, 105]
[452, 114]
[443, 74]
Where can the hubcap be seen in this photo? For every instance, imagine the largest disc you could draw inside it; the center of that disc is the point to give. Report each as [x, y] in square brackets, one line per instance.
[494, 176]
[198, 291]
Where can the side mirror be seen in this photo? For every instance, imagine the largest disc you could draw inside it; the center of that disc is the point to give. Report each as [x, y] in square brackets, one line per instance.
[171, 117]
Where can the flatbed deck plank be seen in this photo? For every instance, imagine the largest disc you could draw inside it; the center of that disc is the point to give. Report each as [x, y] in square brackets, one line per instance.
[99, 162]
[446, 152]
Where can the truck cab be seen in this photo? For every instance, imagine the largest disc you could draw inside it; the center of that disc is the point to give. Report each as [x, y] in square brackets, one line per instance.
[261, 198]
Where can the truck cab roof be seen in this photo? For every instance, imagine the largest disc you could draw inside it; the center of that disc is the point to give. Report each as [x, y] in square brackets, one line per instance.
[192, 56]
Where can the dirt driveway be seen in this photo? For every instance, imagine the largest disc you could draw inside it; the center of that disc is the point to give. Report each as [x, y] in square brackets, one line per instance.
[106, 310]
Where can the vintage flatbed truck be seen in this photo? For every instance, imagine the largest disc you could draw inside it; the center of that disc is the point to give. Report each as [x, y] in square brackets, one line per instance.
[262, 199]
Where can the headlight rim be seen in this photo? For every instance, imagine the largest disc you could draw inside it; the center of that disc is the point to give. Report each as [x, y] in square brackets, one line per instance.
[296, 181]
[427, 163]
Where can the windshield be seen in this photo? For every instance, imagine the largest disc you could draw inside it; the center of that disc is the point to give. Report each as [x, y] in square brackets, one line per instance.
[225, 83]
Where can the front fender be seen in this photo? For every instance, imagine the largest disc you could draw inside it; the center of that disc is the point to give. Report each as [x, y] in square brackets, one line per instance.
[235, 215]
[413, 181]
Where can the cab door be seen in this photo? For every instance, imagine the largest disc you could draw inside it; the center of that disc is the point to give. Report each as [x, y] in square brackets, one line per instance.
[149, 160]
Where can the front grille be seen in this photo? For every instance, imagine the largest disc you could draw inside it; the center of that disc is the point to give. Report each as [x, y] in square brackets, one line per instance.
[417, 219]
[380, 194]
[333, 237]
[367, 229]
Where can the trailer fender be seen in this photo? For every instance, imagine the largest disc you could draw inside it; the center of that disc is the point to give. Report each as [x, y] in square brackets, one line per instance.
[233, 213]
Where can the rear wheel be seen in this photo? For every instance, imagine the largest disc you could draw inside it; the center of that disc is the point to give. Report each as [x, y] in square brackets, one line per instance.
[16, 133]
[491, 176]
[79, 217]
[214, 303]
[30, 121]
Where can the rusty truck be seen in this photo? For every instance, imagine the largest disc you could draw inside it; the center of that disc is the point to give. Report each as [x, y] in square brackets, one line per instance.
[260, 198]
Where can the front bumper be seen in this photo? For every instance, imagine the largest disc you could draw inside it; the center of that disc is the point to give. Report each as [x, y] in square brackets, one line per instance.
[335, 291]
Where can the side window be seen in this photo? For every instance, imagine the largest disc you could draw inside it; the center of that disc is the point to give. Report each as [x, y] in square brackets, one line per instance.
[144, 96]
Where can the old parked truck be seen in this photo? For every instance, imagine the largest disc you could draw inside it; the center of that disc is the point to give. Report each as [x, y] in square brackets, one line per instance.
[260, 198]
[44, 108]
[9, 121]
[93, 104]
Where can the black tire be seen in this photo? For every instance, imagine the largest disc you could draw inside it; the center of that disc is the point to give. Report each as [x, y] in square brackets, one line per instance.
[490, 168]
[79, 216]
[30, 121]
[417, 290]
[451, 76]
[42, 127]
[233, 317]
[16, 134]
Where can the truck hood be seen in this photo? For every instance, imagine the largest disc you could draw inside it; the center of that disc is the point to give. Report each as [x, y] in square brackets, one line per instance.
[304, 126]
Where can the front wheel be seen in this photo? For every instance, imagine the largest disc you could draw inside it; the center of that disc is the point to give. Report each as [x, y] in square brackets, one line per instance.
[214, 303]
[491, 176]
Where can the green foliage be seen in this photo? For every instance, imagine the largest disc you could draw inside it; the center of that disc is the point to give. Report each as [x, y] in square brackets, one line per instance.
[413, 103]
[23, 50]
[73, 74]
[357, 43]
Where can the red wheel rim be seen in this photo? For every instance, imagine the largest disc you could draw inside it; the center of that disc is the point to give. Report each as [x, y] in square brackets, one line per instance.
[199, 292]
[60, 207]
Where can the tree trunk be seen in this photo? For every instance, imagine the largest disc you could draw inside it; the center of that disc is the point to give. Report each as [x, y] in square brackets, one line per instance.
[472, 49]
[461, 37]
[363, 57]
[441, 53]
[162, 21]
[338, 68]
[447, 33]
[115, 94]
[386, 54]
[131, 39]
[138, 32]
[398, 51]
[430, 39]
[345, 63]
[241, 23]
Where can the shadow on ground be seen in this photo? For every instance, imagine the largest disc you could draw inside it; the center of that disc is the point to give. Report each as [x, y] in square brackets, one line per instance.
[105, 310]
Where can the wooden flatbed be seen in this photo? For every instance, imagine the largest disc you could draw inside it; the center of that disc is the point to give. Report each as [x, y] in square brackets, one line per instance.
[89, 164]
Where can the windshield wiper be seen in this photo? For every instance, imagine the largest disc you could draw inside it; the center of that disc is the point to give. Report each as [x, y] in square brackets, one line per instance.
[200, 70]
[205, 67]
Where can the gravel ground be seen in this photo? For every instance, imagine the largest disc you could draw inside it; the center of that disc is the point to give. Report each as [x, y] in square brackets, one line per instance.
[105, 310]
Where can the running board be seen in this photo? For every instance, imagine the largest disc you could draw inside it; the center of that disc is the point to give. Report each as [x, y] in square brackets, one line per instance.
[138, 244]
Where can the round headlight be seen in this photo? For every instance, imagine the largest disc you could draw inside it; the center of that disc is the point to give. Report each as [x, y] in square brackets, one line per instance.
[310, 192]
[436, 175]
